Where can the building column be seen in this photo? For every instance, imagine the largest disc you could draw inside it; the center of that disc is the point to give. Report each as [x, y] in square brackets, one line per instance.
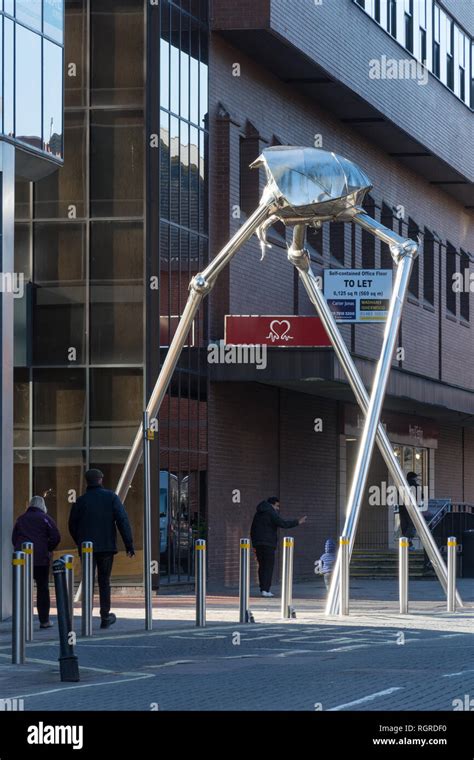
[7, 196]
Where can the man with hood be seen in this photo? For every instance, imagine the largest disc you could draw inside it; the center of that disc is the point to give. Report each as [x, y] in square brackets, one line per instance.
[37, 526]
[264, 535]
[328, 560]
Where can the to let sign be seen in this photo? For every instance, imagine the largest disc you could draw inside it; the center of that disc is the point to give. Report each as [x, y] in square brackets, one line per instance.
[278, 331]
[358, 295]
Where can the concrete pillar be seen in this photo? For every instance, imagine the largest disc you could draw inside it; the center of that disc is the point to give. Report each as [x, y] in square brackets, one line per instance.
[7, 206]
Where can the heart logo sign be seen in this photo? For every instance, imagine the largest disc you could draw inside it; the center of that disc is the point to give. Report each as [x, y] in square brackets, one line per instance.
[279, 330]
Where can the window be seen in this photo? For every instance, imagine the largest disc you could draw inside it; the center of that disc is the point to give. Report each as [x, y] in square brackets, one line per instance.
[386, 218]
[249, 178]
[117, 67]
[428, 266]
[59, 294]
[336, 241]
[423, 27]
[414, 284]
[115, 405]
[392, 17]
[117, 144]
[436, 40]
[409, 25]
[377, 11]
[314, 241]
[368, 240]
[52, 101]
[472, 75]
[451, 269]
[53, 19]
[59, 407]
[116, 292]
[465, 292]
[29, 12]
[449, 53]
[28, 87]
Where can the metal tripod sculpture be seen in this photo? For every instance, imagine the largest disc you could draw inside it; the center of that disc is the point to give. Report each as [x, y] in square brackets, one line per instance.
[306, 187]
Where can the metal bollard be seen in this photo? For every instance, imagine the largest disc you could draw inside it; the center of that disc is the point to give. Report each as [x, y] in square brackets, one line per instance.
[68, 560]
[68, 664]
[403, 574]
[287, 610]
[200, 569]
[452, 554]
[245, 615]
[87, 586]
[344, 585]
[18, 626]
[27, 549]
[148, 435]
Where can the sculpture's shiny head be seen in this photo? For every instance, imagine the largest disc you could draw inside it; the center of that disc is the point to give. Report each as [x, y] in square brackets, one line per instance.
[311, 185]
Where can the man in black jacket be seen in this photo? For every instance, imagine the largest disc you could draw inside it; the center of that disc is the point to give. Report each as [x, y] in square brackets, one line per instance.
[94, 517]
[264, 535]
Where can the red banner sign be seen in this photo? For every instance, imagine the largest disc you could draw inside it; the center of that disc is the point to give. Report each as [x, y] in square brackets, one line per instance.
[278, 331]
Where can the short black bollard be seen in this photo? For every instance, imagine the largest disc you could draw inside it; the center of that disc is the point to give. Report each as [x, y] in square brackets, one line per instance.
[68, 663]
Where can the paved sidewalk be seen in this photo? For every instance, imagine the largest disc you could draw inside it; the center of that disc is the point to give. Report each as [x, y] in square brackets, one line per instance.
[373, 659]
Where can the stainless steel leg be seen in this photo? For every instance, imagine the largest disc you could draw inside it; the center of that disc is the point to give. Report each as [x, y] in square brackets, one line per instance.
[200, 286]
[300, 259]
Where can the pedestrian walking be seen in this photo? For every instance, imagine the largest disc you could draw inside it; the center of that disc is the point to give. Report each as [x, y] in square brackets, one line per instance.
[95, 516]
[264, 536]
[37, 526]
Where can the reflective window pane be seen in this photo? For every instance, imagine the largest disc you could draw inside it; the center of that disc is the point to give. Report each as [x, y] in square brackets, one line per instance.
[115, 405]
[9, 6]
[21, 410]
[116, 292]
[9, 75]
[75, 54]
[53, 99]
[22, 330]
[117, 143]
[21, 481]
[62, 193]
[55, 475]
[29, 12]
[117, 67]
[28, 87]
[59, 407]
[53, 19]
[59, 294]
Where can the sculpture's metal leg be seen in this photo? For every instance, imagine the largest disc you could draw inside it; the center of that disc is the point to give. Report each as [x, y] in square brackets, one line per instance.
[200, 286]
[300, 259]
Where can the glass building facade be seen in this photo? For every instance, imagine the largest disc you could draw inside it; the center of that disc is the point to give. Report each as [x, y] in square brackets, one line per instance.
[88, 335]
[31, 58]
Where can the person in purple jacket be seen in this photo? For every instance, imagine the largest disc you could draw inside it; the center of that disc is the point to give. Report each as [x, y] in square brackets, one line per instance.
[36, 526]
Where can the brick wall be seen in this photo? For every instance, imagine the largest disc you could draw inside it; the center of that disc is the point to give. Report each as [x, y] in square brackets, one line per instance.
[262, 442]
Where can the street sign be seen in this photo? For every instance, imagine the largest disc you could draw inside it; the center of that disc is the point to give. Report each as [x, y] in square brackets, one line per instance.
[358, 295]
[277, 331]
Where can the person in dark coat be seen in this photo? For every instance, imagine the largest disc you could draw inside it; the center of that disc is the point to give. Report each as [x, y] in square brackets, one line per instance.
[95, 516]
[36, 526]
[328, 560]
[264, 536]
[407, 529]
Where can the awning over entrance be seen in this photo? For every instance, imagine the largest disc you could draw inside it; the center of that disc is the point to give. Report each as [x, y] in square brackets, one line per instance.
[318, 372]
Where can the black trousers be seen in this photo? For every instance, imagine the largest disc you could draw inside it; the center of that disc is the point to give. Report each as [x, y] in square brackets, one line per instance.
[407, 529]
[103, 561]
[266, 562]
[41, 577]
